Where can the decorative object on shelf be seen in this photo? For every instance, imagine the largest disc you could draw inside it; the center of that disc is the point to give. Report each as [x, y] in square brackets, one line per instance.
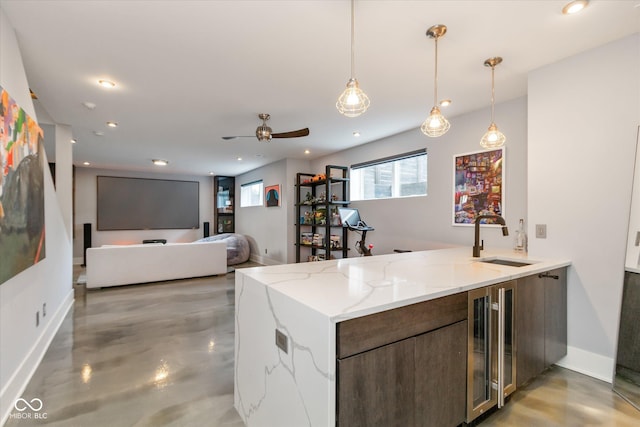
[436, 124]
[479, 185]
[353, 101]
[272, 195]
[306, 238]
[493, 138]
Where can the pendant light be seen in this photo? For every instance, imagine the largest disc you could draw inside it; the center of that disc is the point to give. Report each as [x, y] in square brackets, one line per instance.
[493, 138]
[353, 101]
[436, 124]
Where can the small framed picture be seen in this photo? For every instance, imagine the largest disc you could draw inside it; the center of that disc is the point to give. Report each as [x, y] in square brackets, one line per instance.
[272, 196]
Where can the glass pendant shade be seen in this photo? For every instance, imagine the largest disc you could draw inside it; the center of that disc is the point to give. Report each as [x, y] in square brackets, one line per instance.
[493, 138]
[436, 124]
[353, 101]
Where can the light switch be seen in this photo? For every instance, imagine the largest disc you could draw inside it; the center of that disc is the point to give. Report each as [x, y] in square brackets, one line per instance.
[541, 231]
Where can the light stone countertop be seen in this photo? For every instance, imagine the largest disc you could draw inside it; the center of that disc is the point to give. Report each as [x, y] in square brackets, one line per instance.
[354, 287]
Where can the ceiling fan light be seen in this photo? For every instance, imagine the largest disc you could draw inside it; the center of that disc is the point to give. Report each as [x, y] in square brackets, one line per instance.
[493, 138]
[436, 124]
[353, 101]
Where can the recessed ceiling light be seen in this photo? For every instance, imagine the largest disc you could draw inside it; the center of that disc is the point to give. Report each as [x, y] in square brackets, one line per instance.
[112, 124]
[211, 173]
[86, 163]
[98, 133]
[307, 151]
[160, 162]
[73, 140]
[106, 83]
[574, 6]
[445, 102]
[356, 133]
[239, 158]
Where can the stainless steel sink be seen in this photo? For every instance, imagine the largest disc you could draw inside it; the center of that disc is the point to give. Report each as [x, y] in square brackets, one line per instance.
[505, 262]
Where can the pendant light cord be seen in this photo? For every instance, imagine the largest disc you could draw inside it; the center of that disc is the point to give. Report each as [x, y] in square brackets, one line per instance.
[493, 69]
[435, 80]
[353, 68]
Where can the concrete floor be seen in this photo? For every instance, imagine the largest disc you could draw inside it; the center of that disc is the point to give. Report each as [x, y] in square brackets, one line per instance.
[162, 355]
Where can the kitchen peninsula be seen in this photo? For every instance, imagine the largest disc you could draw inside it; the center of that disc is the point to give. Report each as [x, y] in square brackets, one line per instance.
[298, 327]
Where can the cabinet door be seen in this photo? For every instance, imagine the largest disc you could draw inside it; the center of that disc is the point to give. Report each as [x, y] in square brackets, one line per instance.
[441, 359]
[555, 309]
[376, 388]
[530, 328]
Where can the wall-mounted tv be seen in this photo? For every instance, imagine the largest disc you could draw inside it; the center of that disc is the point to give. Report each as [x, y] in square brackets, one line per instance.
[147, 204]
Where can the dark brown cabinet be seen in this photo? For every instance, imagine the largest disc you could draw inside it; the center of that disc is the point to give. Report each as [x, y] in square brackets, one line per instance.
[555, 315]
[541, 323]
[530, 329]
[440, 367]
[376, 388]
[417, 380]
[224, 204]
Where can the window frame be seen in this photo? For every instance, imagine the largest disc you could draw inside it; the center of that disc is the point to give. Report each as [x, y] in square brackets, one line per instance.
[395, 185]
[259, 182]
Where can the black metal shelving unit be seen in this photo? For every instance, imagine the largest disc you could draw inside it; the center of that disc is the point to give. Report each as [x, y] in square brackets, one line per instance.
[310, 213]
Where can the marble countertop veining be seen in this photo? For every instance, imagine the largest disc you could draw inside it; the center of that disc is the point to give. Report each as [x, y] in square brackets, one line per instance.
[354, 287]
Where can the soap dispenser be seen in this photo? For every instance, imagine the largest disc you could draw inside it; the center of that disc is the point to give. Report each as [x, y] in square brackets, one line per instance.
[521, 238]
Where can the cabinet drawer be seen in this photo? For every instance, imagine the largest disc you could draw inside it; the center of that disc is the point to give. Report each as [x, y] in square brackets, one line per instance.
[368, 332]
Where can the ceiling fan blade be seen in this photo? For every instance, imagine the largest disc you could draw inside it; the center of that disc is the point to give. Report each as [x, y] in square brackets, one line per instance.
[226, 138]
[292, 134]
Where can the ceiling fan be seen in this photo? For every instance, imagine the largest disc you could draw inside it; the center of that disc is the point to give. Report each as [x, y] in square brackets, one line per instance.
[264, 132]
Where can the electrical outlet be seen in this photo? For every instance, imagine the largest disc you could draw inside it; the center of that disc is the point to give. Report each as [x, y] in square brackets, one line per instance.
[282, 341]
[541, 231]
[44, 309]
[37, 319]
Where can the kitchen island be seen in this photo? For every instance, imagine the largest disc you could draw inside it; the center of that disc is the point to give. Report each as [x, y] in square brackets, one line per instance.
[287, 316]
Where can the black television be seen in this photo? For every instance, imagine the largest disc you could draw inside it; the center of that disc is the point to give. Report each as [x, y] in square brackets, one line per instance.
[147, 204]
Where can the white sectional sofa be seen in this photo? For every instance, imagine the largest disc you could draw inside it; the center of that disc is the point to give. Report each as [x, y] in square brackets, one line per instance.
[129, 264]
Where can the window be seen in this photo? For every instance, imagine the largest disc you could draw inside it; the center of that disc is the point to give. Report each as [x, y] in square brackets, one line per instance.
[404, 175]
[251, 194]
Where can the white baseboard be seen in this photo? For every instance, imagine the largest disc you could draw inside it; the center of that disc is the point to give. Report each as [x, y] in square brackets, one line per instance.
[264, 260]
[21, 377]
[588, 363]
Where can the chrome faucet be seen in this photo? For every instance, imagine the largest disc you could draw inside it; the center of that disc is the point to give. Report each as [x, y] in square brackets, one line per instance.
[478, 244]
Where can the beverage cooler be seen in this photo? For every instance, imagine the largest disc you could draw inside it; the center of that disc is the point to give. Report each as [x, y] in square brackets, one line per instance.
[491, 370]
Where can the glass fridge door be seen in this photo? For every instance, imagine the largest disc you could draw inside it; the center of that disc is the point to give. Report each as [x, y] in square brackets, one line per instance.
[480, 393]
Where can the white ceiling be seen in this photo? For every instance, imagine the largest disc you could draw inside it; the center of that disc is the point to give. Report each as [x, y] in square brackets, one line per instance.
[190, 72]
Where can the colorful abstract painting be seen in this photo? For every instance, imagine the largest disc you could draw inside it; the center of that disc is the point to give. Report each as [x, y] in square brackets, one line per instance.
[272, 195]
[22, 231]
[478, 184]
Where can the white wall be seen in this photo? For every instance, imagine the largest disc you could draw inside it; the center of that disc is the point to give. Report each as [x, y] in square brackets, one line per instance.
[49, 281]
[420, 223]
[86, 208]
[583, 118]
[270, 229]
